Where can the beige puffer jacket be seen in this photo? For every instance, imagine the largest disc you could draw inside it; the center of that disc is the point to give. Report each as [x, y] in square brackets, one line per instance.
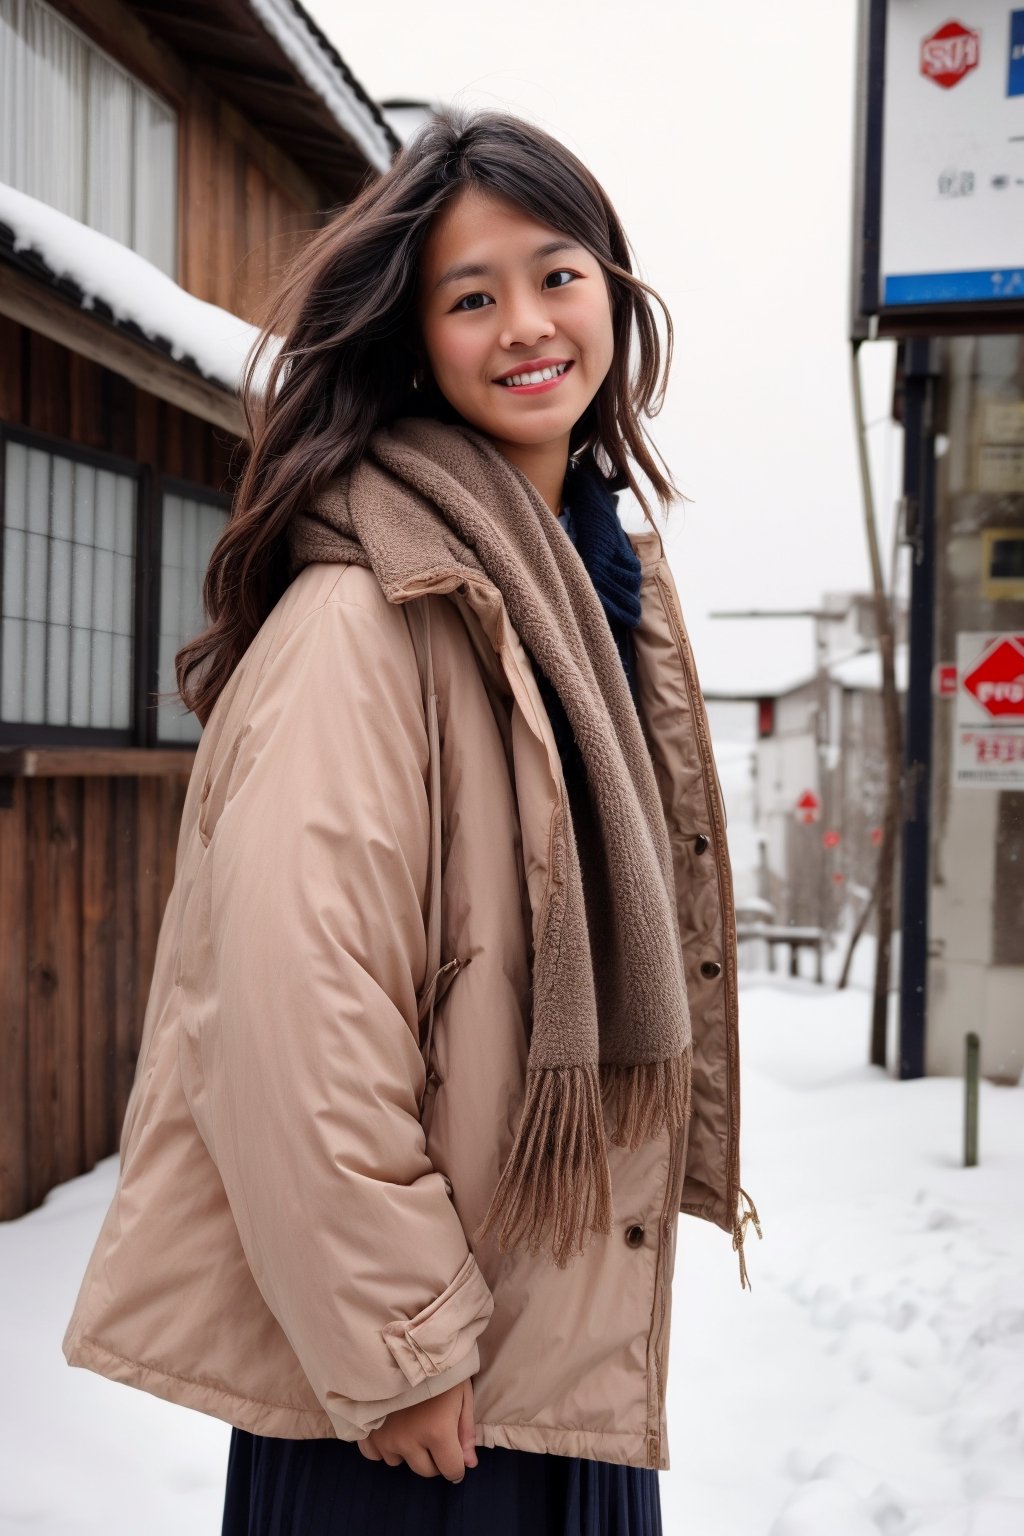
[308, 1146]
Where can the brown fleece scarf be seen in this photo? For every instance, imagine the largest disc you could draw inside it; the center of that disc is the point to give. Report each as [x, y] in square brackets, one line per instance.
[610, 1021]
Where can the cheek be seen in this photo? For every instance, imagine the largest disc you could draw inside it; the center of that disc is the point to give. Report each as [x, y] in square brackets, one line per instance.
[456, 353]
[604, 334]
[591, 325]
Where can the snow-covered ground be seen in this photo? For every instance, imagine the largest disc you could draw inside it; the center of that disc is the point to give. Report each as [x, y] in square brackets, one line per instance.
[872, 1381]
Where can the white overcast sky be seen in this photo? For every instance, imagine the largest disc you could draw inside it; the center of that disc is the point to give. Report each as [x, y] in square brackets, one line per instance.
[724, 136]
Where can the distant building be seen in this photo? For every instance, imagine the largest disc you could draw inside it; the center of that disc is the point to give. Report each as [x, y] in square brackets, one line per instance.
[819, 768]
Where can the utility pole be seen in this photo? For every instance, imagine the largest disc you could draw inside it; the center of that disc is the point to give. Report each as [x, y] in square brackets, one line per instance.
[886, 878]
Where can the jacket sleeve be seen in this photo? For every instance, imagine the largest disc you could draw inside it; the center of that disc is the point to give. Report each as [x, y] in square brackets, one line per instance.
[302, 1034]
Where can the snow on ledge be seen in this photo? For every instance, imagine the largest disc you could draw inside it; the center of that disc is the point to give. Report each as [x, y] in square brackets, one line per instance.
[287, 27]
[863, 672]
[214, 341]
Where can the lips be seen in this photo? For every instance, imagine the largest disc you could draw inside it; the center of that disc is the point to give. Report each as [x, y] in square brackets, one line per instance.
[536, 380]
[537, 375]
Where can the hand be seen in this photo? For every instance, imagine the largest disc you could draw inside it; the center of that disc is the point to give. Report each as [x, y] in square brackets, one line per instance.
[435, 1436]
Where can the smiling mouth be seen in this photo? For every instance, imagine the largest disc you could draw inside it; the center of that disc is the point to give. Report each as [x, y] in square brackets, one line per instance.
[533, 379]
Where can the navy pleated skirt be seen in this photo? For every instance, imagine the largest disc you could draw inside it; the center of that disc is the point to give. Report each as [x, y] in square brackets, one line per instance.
[279, 1487]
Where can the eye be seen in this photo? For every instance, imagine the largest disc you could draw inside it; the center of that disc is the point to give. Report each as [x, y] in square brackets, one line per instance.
[562, 272]
[467, 297]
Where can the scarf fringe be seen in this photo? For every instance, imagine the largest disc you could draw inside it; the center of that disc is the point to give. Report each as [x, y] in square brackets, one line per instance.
[555, 1188]
[644, 1099]
[557, 1172]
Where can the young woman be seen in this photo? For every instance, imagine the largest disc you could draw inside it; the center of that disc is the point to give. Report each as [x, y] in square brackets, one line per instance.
[442, 1030]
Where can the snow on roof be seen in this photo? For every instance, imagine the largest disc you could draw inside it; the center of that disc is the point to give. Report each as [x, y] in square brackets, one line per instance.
[748, 659]
[404, 118]
[212, 341]
[325, 73]
[863, 672]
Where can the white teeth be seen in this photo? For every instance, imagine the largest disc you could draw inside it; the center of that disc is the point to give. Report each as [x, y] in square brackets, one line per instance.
[538, 376]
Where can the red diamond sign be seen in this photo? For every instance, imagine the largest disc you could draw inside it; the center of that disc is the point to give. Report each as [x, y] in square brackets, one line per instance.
[997, 682]
[949, 53]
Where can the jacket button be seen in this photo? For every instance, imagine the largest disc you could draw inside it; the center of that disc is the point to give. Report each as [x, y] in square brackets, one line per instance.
[635, 1235]
[701, 844]
[710, 969]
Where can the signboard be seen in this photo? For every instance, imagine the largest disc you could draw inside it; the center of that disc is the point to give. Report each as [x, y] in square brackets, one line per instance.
[944, 680]
[999, 451]
[940, 180]
[989, 740]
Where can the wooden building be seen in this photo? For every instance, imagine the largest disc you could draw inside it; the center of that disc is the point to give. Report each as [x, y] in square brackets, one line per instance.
[158, 163]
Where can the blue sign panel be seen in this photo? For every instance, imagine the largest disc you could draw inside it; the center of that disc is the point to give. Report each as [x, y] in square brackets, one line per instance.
[1015, 78]
[954, 287]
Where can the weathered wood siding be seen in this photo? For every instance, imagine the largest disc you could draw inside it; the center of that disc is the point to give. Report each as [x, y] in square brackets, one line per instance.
[86, 866]
[51, 389]
[239, 224]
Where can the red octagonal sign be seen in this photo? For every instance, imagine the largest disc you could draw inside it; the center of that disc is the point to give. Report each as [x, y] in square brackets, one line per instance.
[997, 682]
[949, 52]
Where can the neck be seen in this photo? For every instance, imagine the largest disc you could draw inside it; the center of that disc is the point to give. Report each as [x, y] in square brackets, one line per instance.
[543, 464]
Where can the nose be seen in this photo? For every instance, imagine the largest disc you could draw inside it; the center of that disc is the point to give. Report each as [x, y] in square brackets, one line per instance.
[526, 322]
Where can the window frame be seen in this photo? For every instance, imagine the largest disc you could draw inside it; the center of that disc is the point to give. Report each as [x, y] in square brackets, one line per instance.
[150, 487]
[164, 485]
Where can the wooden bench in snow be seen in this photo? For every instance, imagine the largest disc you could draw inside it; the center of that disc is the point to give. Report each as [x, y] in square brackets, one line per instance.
[774, 934]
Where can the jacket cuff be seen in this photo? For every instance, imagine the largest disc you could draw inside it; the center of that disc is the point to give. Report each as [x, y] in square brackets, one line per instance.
[357, 1420]
[427, 1344]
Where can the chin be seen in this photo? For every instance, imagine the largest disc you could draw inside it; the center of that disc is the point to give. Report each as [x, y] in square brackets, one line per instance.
[533, 427]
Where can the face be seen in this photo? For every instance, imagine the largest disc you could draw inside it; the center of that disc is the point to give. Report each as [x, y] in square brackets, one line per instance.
[502, 295]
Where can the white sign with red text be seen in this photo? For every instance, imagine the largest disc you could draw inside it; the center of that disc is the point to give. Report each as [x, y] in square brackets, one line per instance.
[989, 740]
[953, 156]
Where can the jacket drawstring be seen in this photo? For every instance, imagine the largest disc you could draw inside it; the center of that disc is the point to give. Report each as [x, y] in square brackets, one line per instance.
[739, 1232]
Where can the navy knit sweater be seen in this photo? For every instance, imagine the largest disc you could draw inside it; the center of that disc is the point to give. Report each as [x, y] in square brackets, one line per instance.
[590, 518]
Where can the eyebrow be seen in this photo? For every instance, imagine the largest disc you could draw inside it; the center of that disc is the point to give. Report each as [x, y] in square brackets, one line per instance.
[477, 269]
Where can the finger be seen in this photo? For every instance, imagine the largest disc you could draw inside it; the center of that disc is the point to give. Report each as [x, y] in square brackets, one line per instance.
[420, 1461]
[369, 1450]
[391, 1458]
[447, 1453]
[467, 1427]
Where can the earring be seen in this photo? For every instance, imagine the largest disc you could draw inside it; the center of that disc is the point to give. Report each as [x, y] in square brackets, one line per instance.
[417, 380]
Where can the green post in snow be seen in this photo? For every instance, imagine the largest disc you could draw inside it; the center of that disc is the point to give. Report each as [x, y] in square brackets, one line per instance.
[971, 1100]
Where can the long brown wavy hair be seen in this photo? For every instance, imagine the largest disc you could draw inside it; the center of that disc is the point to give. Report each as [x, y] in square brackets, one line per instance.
[340, 345]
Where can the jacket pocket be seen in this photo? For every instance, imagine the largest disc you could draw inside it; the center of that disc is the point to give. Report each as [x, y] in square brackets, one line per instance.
[215, 789]
[437, 986]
